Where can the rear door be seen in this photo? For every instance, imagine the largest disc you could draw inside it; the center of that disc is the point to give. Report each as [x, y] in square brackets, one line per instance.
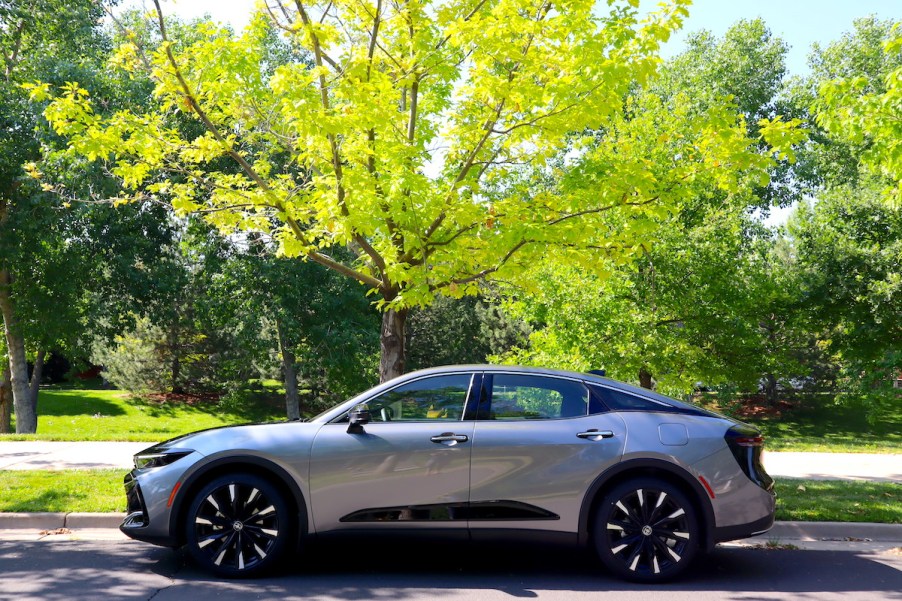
[536, 451]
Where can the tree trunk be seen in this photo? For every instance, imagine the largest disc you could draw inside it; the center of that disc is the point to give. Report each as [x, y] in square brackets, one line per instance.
[289, 374]
[645, 379]
[6, 401]
[392, 345]
[26, 419]
[36, 373]
[175, 365]
[770, 389]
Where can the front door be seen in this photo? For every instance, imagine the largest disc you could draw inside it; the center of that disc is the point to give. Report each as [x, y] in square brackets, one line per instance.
[409, 466]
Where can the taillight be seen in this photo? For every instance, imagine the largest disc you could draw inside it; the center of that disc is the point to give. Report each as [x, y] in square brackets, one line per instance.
[746, 441]
[746, 444]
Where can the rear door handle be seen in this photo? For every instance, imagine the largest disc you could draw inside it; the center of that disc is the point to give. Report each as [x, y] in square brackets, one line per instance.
[450, 437]
[595, 434]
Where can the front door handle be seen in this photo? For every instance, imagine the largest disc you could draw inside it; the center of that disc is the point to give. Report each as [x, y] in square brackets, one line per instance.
[450, 437]
[595, 434]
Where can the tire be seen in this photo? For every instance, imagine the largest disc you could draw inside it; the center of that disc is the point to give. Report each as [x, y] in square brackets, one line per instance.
[239, 525]
[646, 530]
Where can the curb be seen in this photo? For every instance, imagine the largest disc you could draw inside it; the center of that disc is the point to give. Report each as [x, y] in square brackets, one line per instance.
[53, 521]
[835, 531]
[802, 531]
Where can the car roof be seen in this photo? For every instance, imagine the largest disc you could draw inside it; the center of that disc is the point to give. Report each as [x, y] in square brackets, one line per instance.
[520, 369]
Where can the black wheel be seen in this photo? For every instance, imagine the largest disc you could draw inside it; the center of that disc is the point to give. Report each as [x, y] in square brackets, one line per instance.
[238, 525]
[646, 530]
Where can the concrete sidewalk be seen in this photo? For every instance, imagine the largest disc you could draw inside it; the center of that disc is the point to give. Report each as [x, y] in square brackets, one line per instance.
[39, 455]
[834, 466]
[36, 455]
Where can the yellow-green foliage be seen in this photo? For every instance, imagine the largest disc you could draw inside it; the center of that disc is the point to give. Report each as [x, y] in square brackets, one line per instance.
[443, 142]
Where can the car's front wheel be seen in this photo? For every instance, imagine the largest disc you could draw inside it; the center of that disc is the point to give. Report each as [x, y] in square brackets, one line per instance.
[238, 525]
[646, 530]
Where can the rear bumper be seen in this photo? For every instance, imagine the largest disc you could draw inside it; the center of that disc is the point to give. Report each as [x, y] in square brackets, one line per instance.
[738, 531]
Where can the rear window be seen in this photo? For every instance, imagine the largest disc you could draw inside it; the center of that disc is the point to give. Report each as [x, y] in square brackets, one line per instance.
[618, 400]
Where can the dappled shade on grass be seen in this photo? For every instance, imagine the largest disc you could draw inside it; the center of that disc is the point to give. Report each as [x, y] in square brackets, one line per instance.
[114, 415]
[816, 423]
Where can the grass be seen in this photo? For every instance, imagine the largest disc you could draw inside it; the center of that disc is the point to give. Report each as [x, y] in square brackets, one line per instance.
[41, 490]
[839, 501]
[834, 428]
[818, 424]
[77, 415]
[101, 491]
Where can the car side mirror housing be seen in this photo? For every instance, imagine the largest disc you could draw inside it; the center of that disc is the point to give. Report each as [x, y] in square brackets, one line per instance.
[358, 417]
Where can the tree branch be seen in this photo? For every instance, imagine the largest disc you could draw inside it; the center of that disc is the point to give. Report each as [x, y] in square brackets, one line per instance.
[376, 258]
[13, 58]
[250, 171]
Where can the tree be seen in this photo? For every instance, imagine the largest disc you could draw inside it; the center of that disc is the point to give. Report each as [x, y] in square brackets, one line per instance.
[462, 331]
[848, 248]
[31, 34]
[701, 301]
[423, 138]
[319, 326]
[859, 98]
[702, 306]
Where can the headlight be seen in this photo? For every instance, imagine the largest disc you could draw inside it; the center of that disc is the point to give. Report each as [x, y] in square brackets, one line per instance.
[148, 460]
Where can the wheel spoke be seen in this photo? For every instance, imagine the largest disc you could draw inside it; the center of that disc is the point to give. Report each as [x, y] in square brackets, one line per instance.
[668, 552]
[628, 527]
[677, 513]
[623, 543]
[262, 514]
[220, 553]
[212, 538]
[655, 511]
[671, 534]
[633, 560]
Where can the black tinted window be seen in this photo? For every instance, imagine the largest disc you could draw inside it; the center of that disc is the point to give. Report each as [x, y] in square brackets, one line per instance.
[617, 400]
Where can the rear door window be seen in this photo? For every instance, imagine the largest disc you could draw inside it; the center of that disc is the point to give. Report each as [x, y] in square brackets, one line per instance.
[522, 397]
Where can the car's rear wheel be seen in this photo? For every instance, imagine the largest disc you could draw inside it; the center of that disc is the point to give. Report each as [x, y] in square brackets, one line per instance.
[238, 525]
[646, 530]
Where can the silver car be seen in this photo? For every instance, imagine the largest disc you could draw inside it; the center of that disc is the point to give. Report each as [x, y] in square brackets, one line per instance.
[471, 451]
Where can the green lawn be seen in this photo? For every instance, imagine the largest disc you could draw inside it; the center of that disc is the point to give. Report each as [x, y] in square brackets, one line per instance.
[79, 414]
[833, 428]
[74, 415]
[835, 501]
[98, 491]
[101, 491]
[818, 424]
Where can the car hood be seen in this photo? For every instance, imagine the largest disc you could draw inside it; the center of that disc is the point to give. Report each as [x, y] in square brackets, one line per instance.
[249, 437]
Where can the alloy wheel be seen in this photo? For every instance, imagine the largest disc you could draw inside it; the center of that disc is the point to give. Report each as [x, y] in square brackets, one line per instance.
[237, 526]
[647, 531]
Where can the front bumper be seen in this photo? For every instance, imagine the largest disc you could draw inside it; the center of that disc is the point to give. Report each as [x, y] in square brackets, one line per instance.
[137, 523]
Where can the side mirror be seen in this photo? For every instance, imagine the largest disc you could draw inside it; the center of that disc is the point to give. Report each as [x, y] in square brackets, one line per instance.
[358, 417]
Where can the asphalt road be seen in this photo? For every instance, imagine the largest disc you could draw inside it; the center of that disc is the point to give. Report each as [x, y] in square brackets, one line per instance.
[111, 570]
